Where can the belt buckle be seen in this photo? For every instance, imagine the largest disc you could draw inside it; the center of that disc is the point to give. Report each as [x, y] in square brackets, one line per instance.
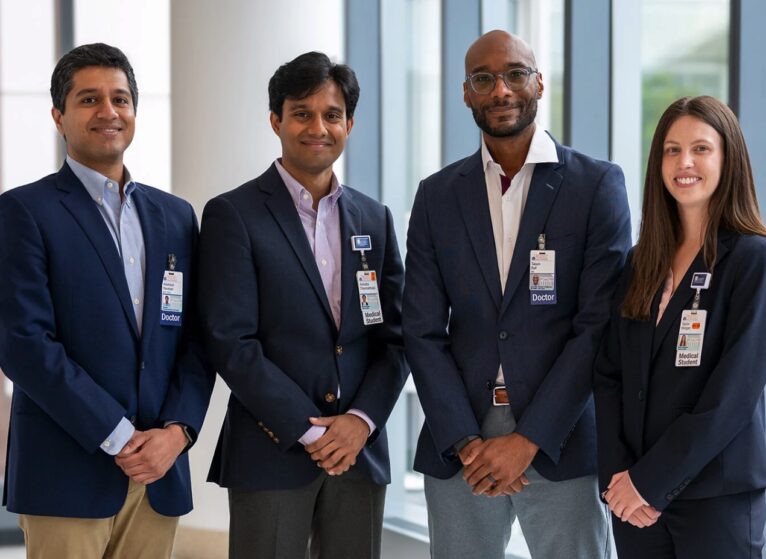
[495, 390]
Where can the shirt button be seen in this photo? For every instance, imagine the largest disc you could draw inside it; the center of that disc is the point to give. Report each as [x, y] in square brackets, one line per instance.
[338, 350]
[136, 301]
[503, 335]
[329, 397]
[132, 260]
[324, 262]
[305, 196]
[107, 444]
[109, 185]
[99, 200]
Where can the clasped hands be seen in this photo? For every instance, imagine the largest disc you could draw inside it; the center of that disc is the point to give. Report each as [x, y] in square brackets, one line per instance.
[627, 504]
[148, 455]
[496, 466]
[336, 450]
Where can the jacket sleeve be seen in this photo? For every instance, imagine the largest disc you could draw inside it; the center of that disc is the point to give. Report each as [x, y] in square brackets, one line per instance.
[387, 369]
[228, 301]
[31, 354]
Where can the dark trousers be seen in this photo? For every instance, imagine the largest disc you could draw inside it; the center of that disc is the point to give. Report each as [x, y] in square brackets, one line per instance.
[726, 527]
[334, 517]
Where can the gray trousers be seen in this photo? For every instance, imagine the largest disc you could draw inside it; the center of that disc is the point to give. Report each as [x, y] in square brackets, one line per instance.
[334, 517]
[560, 520]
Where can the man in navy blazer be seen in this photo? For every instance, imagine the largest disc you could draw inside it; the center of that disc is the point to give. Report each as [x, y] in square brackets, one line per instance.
[109, 388]
[512, 254]
[300, 291]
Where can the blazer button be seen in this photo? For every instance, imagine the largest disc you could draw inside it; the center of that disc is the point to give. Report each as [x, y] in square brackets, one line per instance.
[276, 440]
[338, 350]
[490, 385]
[503, 335]
[329, 397]
[132, 418]
[640, 395]
[143, 365]
[669, 497]
[260, 424]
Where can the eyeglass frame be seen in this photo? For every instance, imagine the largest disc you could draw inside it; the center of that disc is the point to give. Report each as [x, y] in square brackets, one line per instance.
[530, 71]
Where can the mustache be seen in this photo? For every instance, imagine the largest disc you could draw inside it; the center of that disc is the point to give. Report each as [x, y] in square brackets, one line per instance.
[505, 104]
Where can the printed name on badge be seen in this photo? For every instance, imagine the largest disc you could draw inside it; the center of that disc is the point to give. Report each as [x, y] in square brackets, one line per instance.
[542, 277]
[691, 335]
[369, 299]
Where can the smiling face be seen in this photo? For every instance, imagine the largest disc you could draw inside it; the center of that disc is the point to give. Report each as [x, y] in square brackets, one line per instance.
[99, 119]
[313, 131]
[502, 112]
[692, 160]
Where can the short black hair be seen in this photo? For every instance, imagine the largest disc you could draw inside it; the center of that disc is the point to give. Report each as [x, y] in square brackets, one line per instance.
[95, 54]
[304, 75]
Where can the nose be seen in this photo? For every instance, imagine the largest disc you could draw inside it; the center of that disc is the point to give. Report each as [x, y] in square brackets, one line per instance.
[500, 89]
[686, 160]
[106, 110]
[316, 126]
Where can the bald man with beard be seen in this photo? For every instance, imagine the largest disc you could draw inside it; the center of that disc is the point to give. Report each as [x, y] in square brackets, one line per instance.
[512, 253]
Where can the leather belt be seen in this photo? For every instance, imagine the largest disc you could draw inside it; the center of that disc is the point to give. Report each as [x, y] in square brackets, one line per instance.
[500, 396]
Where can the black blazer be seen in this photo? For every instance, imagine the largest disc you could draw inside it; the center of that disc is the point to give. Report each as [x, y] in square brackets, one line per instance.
[689, 432]
[272, 337]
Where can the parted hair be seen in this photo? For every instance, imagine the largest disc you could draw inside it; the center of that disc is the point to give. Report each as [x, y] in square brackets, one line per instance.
[304, 75]
[733, 206]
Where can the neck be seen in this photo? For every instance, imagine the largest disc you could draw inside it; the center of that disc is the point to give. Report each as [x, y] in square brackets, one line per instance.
[114, 171]
[318, 184]
[693, 223]
[510, 152]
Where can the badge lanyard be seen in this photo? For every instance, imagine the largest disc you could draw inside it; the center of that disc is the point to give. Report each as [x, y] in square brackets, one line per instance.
[171, 306]
[691, 333]
[542, 274]
[366, 281]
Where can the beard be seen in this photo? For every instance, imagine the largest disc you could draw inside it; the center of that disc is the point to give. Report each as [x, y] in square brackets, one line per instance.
[506, 130]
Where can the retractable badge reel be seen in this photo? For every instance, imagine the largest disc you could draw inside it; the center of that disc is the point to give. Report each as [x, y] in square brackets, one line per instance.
[367, 283]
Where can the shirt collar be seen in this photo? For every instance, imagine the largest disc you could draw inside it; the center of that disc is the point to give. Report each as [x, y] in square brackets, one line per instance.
[297, 190]
[542, 149]
[97, 184]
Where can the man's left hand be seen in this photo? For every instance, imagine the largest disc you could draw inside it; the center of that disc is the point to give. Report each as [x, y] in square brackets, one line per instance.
[147, 458]
[622, 496]
[337, 449]
[499, 463]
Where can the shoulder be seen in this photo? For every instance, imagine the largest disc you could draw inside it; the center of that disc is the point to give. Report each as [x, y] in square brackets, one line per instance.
[261, 187]
[453, 171]
[32, 193]
[580, 163]
[747, 250]
[363, 201]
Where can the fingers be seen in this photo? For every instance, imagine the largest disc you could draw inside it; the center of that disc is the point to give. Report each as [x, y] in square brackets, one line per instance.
[134, 444]
[484, 485]
[470, 451]
[323, 421]
[616, 477]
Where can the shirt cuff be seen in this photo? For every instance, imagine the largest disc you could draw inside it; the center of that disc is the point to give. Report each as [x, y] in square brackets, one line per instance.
[367, 420]
[312, 435]
[119, 437]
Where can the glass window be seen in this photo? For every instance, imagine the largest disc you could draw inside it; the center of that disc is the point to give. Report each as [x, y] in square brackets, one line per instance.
[674, 64]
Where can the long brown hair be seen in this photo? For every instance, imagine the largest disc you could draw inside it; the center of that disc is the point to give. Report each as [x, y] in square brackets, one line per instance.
[733, 205]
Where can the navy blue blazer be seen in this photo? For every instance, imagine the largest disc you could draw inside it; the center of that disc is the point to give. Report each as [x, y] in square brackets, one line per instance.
[689, 432]
[459, 326]
[273, 339]
[69, 342]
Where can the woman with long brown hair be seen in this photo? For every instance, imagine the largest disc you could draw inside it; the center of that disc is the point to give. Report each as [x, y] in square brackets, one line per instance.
[679, 383]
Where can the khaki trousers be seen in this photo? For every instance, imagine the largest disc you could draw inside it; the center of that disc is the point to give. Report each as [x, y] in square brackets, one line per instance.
[135, 532]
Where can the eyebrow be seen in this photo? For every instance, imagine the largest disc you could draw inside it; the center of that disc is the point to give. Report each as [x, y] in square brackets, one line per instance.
[304, 106]
[91, 90]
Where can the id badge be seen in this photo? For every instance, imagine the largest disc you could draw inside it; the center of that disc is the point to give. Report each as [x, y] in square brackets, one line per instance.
[690, 338]
[171, 308]
[369, 299]
[542, 277]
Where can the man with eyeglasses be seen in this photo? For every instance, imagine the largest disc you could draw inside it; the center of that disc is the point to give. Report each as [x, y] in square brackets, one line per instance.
[512, 257]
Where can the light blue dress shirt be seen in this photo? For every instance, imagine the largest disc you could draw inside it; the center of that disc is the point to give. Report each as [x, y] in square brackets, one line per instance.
[122, 220]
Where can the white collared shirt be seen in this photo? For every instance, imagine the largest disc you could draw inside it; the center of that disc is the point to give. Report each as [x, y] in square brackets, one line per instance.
[505, 210]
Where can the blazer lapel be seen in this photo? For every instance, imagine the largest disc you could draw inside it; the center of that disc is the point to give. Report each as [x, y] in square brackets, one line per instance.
[543, 190]
[281, 206]
[153, 227]
[350, 224]
[474, 205]
[684, 294]
[82, 207]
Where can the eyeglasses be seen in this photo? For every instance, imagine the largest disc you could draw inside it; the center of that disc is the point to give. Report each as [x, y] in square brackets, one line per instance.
[514, 79]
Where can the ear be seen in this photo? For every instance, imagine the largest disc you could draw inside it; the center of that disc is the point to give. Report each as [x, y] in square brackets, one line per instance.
[275, 122]
[540, 86]
[57, 115]
[349, 125]
[466, 100]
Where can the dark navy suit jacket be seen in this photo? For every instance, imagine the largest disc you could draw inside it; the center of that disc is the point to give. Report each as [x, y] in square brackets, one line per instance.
[273, 339]
[70, 343]
[459, 326]
[689, 432]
